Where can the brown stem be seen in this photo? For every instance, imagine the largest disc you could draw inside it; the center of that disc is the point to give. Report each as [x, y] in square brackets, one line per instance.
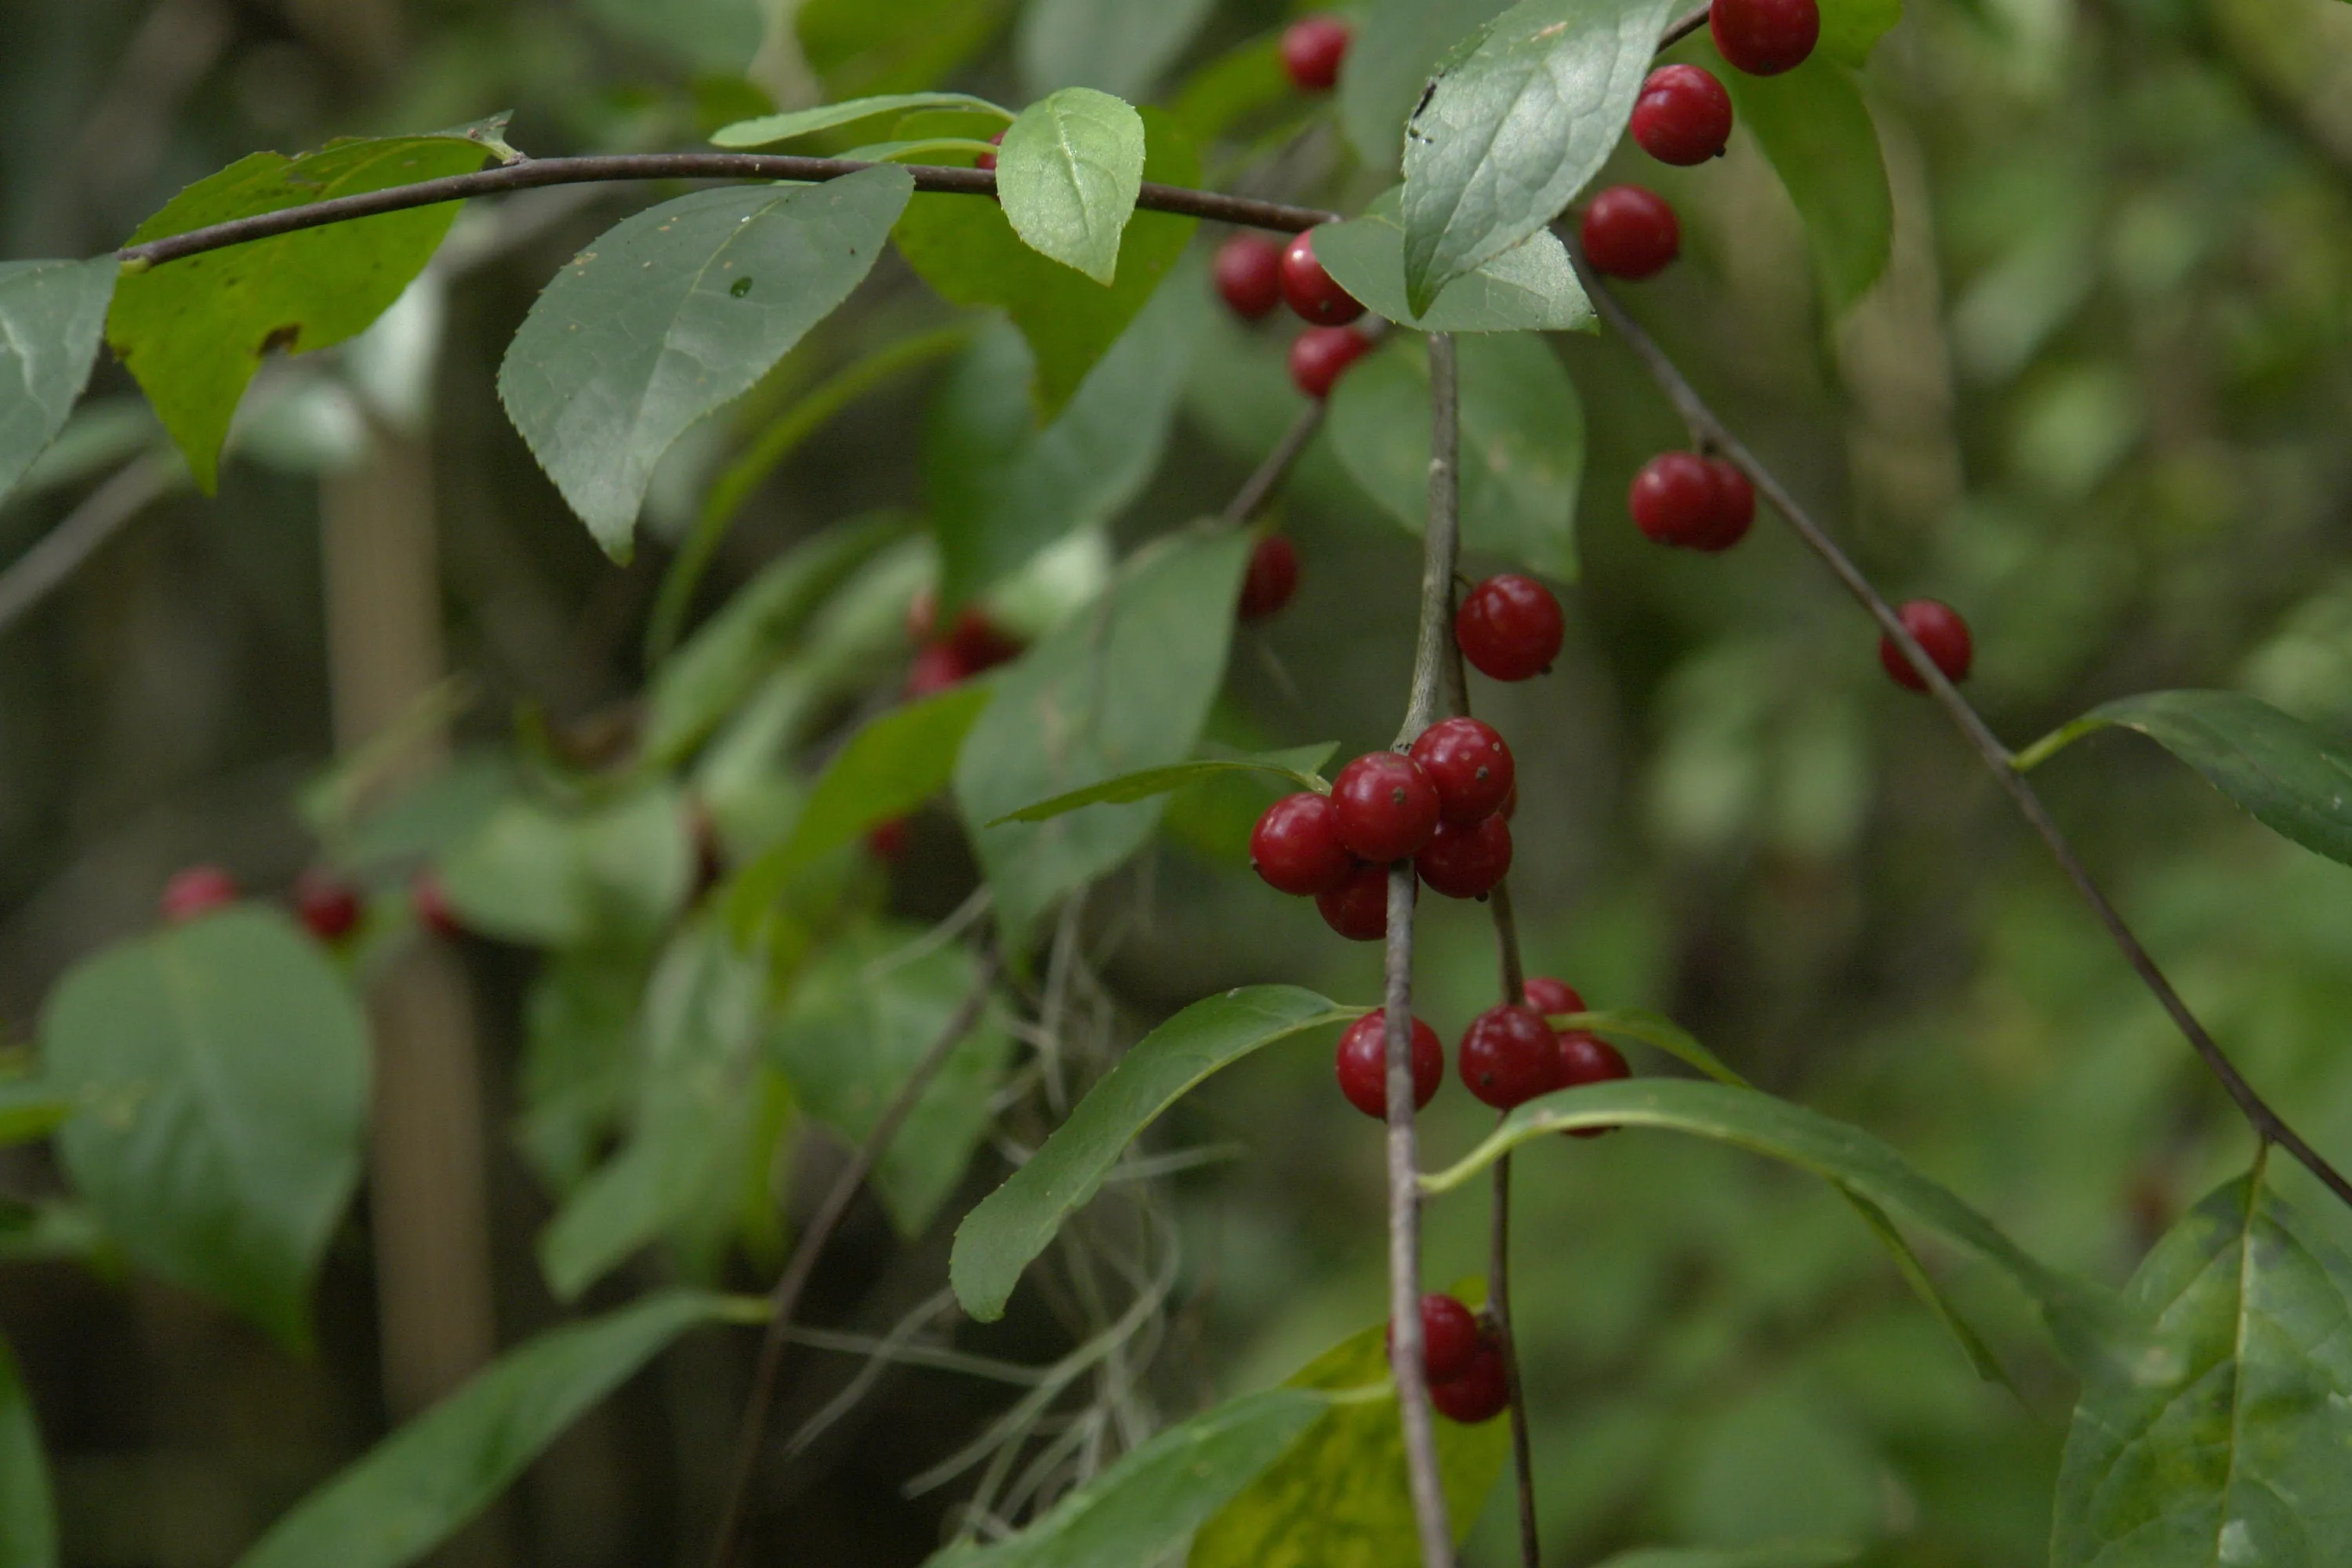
[1498, 1321]
[1270, 473]
[1682, 28]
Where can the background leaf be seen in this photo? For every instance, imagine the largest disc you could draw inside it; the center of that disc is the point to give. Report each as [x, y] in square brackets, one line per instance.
[28, 1526]
[859, 47]
[770, 128]
[1297, 766]
[672, 312]
[1119, 46]
[52, 318]
[535, 873]
[1782, 1555]
[30, 1108]
[1395, 51]
[1814, 127]
[1852, 28]
[1532, 287]
[1068, 175]
[222, 1067]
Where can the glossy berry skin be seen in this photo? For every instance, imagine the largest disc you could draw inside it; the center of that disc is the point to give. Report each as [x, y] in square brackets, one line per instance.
[1272, 577]
[1937, 629]
[1683, 116]
[1362, 1064]
[1449, 1337]
[1480, 1392]
[1249, 275]
[1509, 1055]
[1587, 1059]
[935, 670]
[1357, 908]
[1466, 862]
[886, 840]
[431, 905]
[1296, 847]
[1735, 507]
[1509, 627]
[1313, 48]
[1765, 37]
[1385, 805]
[1311, 291]
[196, 890]
[1628, 232]
[1552, 997]
[1470, 766]
[327, 906]
[1320, 356]
[988, 160]
[1674, 499]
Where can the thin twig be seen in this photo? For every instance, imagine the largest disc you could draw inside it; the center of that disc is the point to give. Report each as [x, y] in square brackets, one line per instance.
[1682, 28]
[1269, 474]
[31, 577]
[821, 1227]
[1498, 1261]
[2266, 1122]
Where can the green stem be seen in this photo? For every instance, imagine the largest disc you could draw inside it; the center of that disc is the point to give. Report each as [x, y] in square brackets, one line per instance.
[2057, 740]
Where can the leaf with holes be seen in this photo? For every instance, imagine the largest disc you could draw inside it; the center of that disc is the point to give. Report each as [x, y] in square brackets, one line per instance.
[1396, 50]
[1071, 167]
[52, 319]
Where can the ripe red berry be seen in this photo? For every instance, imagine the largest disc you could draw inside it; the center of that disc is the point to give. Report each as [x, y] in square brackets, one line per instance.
[1357, 908]
[1765, 37]
[1249, 275]
[1683, 116]
[886, 840]
[430, 903]
[1587, 1059]
[975, 638]
[328, 905]
[1319, 355]
[1552, 997]
[1296, 847]
[1628, 232]
[1272, 577]
[1386, 807]
[1480, 1392]
[1470, 766]
[1937, 629]
[1465, 862]
[1735, 507]
[935, 670]
[1312, 50]
[1674, 499]
[1313, 292]
[1509, 1055]
[1509, 627]
[988, 160]
[1362, 1064]
[196, 890]
[1449, 1337]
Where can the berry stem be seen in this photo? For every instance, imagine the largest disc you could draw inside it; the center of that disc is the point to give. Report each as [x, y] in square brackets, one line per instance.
[1682, 28]
[1498, 1264]
[1259, 487]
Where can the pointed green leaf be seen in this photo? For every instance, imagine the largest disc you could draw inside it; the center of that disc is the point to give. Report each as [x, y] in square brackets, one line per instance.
[1530, 288]
[28, 1526]
[1298, 765]
[1119, 46]
[1070, 170]
[673, 313]
[1814, 127]
[770, 128]
[1396, 50]
[1015, 1222]
[52, 318]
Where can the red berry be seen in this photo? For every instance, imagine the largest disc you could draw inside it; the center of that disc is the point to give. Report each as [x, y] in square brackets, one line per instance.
[1362, 1064]
[975, 638]
[1296, 847]
[1674, 499]
[886, 840]
[1313, 292]
[1470, 766]
[1357, 908]
[1735, 507]
[1628, 232]
[1312, 50]
[1937, 629]
[1272, 577]
[1320, 354]
[1449, 1337]
[1552, 997]
[935, 670]
[1765, 37]
[1466, 862]
[326, 904]
[1511, 806]
[1587, 1059]
[1479, 1394]
[430, 903]
[1509, 1055]
[196, 890]
[988, 160]
[1386, 807]
[1683, 116]
[1249, 275]
[1509, 627]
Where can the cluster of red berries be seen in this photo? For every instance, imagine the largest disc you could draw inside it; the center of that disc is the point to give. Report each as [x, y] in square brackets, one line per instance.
[1463, 1358]
[1253, 275]
[1507, 1055]
[329, 907]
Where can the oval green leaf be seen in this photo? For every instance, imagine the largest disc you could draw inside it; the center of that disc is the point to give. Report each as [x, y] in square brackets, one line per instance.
[1070, 170]
[1815, 129]
[770, 128]
[1300, 765]
[52, 319]
[1530, 288]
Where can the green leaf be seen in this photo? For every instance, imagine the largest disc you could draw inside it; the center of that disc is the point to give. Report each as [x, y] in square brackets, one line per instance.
[2231, 1449]
[859, 47]
[1531, 287]
[1298, 765]
[1070, 170]
[1773, 1554]
[967, 252]
[1339, 1498]
[770, 128]
[419, 1485]
[1120, 687]
[710, 37]
[861, 1017]
[1015, 1222]
[1814, 127]
[546, 877]
[52, 317]
[1852, 28]
[1521, 117]
[194, 331]
[1143, 1507]
[672, 313]
[579, 1063]
[2294, 778]
[1120, 46]
[1395, 51]
[1237, 84]
[221, 1067]
[1522, 444]
[30, 1108]
[28, 1526]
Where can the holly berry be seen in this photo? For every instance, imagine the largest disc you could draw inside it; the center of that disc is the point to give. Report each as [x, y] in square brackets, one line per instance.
[1509, 1055]
[1357, 908]
[1509, 627]
[1296, 847]
[1552, 997]
[1470, 765]
[1385, 805]
[1735, 507]
[1683, 116]
[1313, 292]
[1765, 37]
[1465, 862]
[1587, 1059]
[1449, 1337]
[1628, 232]
[1937, 629]
[327, 906]
[1674, 499]
[1249, 275]
[1272, 577]
[935, 670]
[887, 841]
[196, 890]
[1312, 50]
[430, 901]
[988, 160]
[1480, 1392]
[1362, 1064]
